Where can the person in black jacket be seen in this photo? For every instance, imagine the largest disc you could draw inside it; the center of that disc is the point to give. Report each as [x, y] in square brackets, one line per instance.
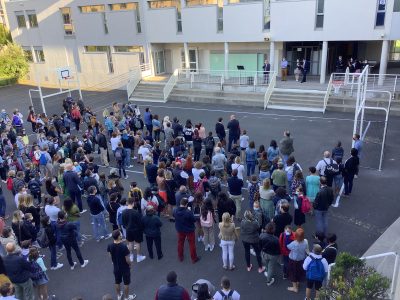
[51, 235]
[19, 227]
[350, 169]
[73, 184]
[68, 235]
[103, 147]
[323, 200]
[151, 172]
[152, 224]
[225, 204]
[220, 131]
[270, 251]
[234, 131]
[96, 208]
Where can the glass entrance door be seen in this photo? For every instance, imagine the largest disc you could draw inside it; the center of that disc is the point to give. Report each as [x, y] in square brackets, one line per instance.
[310, 53]
[159, 62]
[193, 60]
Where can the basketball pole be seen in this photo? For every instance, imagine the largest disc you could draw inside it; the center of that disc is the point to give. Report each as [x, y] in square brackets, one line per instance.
[40, 90]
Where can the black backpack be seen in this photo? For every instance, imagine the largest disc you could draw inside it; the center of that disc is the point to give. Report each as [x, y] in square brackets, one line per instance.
[332, 168]
[87, 147]
[226, 297]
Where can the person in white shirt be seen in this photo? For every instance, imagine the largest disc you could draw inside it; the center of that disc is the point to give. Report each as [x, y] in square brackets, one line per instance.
[51, 209]
[238, 166]
[243, 143]
[316, 258]
[21, 191]
[226, 290]
[321, 165]
[115, 139]
[197, 170]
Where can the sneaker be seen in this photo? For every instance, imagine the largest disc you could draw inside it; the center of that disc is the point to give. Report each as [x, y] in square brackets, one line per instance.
[266, 274]
[131, 257]
[126, 177]
[73, 267]
[62, 248]
[271, 281]
[80, 244]
[83, 211]
[252, 252]
[59, 266]
[211, 247]
[85, 263]
[134, 157]
[261, 270]
[131, 297]
[131, 166]
[140, 258]
[119, 297]
[108, 236]
[206, 248]
[249, 268]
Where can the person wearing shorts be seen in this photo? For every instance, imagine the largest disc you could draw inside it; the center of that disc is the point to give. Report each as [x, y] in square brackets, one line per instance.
[132, 222]
[119, 253]
[316, 268]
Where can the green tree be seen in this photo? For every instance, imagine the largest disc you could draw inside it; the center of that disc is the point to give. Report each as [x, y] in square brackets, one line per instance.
[352, 279]
[13, 63]
[5, 35]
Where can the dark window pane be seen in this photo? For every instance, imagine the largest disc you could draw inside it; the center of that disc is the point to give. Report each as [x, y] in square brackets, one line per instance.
[396, 7]
[380, 19]
[320, 6]
[320, 21]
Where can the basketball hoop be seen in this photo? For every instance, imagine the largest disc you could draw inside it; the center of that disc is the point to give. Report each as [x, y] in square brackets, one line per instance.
[337, 84]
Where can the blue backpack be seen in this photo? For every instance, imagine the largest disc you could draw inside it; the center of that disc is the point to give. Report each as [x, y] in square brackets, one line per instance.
[315, 269]
[43, 159]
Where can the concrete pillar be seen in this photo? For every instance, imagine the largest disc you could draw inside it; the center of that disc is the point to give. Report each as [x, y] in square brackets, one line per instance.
[186, 50]
[272, 55]
[324, 58]
[150, 58]
[383, 62]
[226, 59]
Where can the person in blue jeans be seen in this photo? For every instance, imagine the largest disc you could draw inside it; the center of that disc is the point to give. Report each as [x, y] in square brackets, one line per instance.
[51, 235]
[2, 204]
[97, 210]
[251, 158]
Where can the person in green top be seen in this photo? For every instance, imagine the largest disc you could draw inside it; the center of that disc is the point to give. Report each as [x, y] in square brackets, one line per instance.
[312, 184]
[73, 216]
[279, 177]
[60, 179]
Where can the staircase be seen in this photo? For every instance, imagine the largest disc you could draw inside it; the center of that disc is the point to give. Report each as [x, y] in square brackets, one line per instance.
[297, 99]
[148, 91]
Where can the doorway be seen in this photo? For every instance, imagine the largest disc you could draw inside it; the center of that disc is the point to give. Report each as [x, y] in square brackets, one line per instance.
[310, 53]
[193, 60]
[159, 62]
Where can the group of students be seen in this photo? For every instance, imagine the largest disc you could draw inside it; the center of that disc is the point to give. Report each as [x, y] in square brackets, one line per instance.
[179, 178]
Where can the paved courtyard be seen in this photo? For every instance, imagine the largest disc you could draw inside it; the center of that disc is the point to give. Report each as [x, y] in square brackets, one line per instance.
[358, 221]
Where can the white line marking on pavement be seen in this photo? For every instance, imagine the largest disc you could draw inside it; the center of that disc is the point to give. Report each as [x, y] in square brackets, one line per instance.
[338, 197]
[130, 171]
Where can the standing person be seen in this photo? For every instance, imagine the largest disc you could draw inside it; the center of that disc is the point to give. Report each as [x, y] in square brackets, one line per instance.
[279, 177]
[39, 276]
[239, 167]
[284, 68]
[249, 228]
[316, 268]
[227, 234]
[340, 65]
[18, 270]
[97, 210]
[283, 219]
[119, 253]
[350, 170]
[323, 200]
[207, 220]
[132, 222]
[266, 203]
[273, 151]
[226, 292]
[298, 252]
[51, 236]
[251, 159]
[185, 227]
[225, 204]
[285, 239]
[266, 69]
[358, 143]
[128, 142]
[235, 186]
[197, 144]
[297, 70]
[234, 131]
[306, 69]
[148, 120]
[325, 167]
[76, 116]
[172, 290]
[209, 144]
[243, 143]
[270, 251]
[338, 151]
[331, 250]
[312, 184]
[120, 156]
[286, 145]
[151, 227]
[68, 237]
[220, 131]
[103, 147]
[219, 163]
[299, 216]
[73, 184]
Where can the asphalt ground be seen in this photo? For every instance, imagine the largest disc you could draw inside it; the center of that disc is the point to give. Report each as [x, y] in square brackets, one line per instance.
[358, 221]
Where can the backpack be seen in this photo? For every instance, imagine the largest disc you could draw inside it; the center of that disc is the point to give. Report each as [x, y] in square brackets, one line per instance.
[36, 270]
[87, 147]
[118, 154]
[137, 123]
[152, 203]
[214, 186]
[196, 212]
[209, 142]
[331, 169]
[43, 159]
[42, 238]
[305, 205]
[34, 187]
[9, 184]
[226, 297]
[315, 269]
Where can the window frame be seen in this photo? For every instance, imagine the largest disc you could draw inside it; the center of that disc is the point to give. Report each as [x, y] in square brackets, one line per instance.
[32, 19]
[380, 11]
[394, 50]
[82, 10]
[40, 58]
[20, 14]
[319, 14]
[29, 57]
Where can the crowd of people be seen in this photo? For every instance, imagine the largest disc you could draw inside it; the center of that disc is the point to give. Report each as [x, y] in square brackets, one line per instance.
[215, 187]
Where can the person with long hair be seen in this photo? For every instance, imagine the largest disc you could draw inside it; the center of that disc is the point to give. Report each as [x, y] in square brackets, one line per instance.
[298, 252]
[207, 224]
[73, 216]
[273, 151]
[266, 195]
[227, 234]
[203, 293]
[18, 226]
[251, 158]
[39, 276]
[196, 208]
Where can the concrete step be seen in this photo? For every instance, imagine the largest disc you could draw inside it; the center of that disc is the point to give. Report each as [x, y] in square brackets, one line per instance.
[147, 99]
[296, 103]
[217, 94]
[147, 94]
[296, 99]
[145, 88]
[296, 96]
[297, 108]
[216, 100]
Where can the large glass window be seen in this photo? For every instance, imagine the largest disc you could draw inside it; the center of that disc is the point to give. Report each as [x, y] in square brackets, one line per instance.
[39, 54]
[67, 21]
[131, 49]
[380, 13]
[123, 6]
[96, 48]
[32, 18]
[20, 19]
[162, 4]
[396, 6]
[138, 24]
[319, 20]
[102, 49]
[267, 15]
[91, 8]
[394, 54]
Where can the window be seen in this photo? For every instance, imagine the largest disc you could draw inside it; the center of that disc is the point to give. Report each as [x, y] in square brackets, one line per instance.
[130, 49]
[200, 2]
[243, 1]
[28, 53]
[163, 4]
[138, 24]
[91, 8]
[267, 15]
[32, 19]
[96, 48]
[123, 6]
[220, 16]
[102, 49]
[67, 21]
[394, 53]
[396, 6]
[20, 19]
[380, 13]
[39, 54]
[319, 22]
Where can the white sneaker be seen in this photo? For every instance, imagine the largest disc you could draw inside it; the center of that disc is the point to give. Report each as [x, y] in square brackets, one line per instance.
[206, 248]
[131, 257]
[199, 238]
[140, 258]
[85, 263]
[271, 281]
[59, 266]
[119, 297]
[211, 247]
[126, 177]
[83, 211]
[252, 252]
[134, 157]
[73, 267]
[131, 166]
[131, 297]
[266, 274]
[108, 236]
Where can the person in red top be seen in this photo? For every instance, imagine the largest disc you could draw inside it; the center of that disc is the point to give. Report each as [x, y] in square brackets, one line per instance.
[76, 116]
[286, 237]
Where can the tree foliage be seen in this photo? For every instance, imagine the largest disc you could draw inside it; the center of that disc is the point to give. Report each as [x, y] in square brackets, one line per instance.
[13, 63]
[352, 279]
[5, 35]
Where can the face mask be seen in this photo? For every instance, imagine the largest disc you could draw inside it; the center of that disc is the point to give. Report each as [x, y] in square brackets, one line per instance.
[256, 208]
[287, 232]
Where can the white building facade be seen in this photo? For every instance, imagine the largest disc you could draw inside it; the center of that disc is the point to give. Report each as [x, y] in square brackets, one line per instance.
[105, 38]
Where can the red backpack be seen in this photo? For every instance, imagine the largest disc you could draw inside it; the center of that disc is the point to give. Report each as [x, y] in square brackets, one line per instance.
[9, 184]
[305, 205]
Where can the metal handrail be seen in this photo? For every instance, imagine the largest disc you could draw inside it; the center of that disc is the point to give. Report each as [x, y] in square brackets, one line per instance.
[135, 75]
[270, 90]
[396, 263]
[328, 92]
[169, 86]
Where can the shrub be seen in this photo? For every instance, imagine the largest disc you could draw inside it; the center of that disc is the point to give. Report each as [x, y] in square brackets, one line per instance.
[13, 63]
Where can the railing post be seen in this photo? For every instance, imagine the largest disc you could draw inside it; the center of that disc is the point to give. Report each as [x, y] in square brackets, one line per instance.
[191, 80]
[255, 81]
